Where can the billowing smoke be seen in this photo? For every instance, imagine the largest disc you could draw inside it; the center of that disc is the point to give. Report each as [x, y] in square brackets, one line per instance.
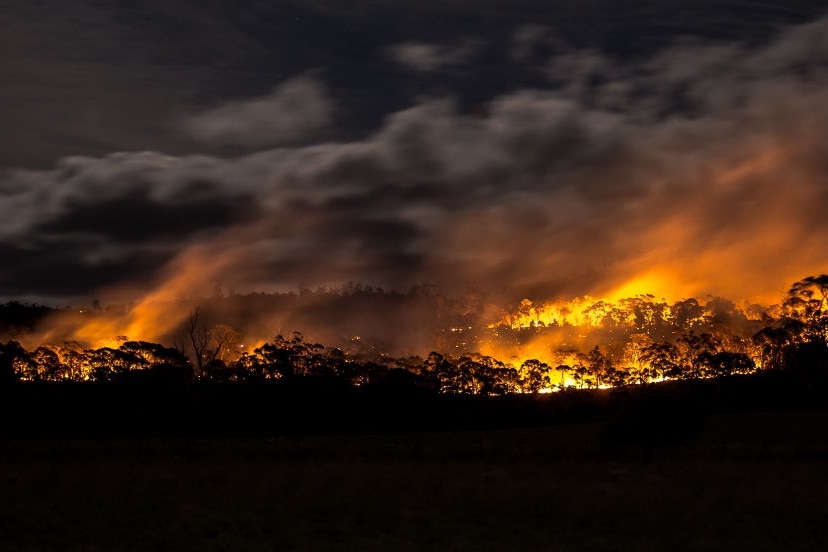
[699, 170]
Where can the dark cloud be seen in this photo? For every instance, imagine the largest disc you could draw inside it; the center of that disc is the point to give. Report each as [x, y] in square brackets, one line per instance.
[425, 57]
[135, 217]
[75, 268]
[291, 112]
[704, 161]
[89, 78]
[533, 41]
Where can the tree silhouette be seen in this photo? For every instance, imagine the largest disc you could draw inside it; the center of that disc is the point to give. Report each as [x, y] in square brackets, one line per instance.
[286, 358]
[772, 342]
[726, 363]
[563, 369]
[200, 340]
[697, 353]
[687, 315]
[592, 368]
[661, 360]
[533, 375]
[48, 365]
[11, 355]
[807, 301]
[437, 371]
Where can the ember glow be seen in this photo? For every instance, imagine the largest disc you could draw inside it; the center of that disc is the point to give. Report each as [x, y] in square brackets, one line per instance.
[563, 334]
[535, 348]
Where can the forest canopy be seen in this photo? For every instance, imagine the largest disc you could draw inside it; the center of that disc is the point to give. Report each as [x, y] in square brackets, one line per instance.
[534, 347]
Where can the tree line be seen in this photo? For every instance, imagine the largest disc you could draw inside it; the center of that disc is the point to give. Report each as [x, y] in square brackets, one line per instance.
[641, 348]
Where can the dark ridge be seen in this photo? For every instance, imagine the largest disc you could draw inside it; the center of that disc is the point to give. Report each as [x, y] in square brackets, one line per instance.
[659, 415]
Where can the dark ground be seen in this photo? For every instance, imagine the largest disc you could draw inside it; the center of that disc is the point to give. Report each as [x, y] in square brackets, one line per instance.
[748, 481]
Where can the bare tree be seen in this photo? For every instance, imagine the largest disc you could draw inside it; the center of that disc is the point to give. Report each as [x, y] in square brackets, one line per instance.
[204, 351]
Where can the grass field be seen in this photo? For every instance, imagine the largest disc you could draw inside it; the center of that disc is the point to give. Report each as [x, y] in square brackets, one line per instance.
[754, 481]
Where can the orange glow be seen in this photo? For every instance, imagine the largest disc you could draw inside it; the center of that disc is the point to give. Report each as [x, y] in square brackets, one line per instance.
[661, 283]
[730, 231]
[619, 327]
[152, 318]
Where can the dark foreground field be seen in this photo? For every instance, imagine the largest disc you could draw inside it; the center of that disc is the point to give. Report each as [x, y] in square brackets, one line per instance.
[748, 481]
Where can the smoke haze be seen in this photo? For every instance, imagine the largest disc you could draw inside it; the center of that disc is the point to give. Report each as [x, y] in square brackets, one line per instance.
[690, 165]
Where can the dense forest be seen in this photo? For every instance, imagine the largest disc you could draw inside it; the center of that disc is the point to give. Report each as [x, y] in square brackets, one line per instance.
[584, 344]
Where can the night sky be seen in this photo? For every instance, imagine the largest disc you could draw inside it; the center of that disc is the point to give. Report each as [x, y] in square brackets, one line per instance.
[562, 147]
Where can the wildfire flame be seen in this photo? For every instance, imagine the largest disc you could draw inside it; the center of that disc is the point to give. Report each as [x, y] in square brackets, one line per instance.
[622, 324]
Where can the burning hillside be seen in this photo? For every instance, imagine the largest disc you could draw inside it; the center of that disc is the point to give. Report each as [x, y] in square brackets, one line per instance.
[629, 199]
[537, 347]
